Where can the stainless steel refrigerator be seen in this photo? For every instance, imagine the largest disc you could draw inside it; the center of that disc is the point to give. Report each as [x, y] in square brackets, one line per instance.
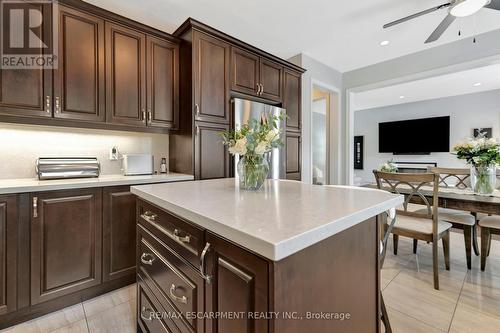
[243, 111]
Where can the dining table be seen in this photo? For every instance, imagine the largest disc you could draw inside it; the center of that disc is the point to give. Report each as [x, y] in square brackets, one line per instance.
[459, 199]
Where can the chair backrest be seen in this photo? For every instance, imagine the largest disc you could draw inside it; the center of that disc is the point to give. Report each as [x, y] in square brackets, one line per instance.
[411, 185]
[452, 177]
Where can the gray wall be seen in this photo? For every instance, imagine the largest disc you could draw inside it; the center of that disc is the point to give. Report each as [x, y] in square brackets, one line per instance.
[319, 72]
[466, 112]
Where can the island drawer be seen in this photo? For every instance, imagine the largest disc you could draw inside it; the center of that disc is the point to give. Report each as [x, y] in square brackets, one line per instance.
[151, 315]
[178, 284]
[179, 235]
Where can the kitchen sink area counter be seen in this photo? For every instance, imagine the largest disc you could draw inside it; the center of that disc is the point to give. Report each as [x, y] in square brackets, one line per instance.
[305, 257]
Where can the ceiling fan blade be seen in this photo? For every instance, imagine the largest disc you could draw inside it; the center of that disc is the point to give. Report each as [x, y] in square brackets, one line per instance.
[411, 17]
[441, 28]
[494, 4]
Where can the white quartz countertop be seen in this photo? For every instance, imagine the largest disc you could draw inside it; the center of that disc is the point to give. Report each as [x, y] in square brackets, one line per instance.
[34, 185]
[281, 219]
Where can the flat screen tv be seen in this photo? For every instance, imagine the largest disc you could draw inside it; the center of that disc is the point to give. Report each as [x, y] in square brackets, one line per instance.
[416, 136]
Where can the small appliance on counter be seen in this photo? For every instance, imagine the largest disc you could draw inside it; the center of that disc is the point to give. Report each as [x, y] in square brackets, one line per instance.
[67, 167]
[138, 164]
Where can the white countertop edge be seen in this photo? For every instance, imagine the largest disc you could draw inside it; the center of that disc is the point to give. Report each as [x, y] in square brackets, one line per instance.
[274, 252]
[35, 185]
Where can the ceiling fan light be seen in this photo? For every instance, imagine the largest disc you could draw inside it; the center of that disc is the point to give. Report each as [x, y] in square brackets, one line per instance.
[463, 8]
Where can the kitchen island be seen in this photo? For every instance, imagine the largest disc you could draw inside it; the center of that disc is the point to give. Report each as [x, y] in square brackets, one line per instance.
[292, 257]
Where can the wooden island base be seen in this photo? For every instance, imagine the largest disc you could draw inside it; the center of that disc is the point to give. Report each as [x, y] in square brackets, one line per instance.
[332, 286]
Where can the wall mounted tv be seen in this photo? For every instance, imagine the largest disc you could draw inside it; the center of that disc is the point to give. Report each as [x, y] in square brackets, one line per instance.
[416, 136]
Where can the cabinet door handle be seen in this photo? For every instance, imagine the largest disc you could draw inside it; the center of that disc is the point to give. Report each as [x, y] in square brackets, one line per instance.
[261, 89]
[150, 116]
[258, 89]
[35, 206]
[147, 259]
[143, 115]
[197, 110]
[47, 103]
[197, 130]
[143, 317]
[176, 298]
[58, 104]
[183, 239]
[206, 277]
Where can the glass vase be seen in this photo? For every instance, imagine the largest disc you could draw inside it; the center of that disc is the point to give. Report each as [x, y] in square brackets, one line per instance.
[483, 179]
[252, 171]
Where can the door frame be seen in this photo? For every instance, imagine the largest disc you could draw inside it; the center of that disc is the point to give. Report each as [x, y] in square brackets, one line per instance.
[333, 158]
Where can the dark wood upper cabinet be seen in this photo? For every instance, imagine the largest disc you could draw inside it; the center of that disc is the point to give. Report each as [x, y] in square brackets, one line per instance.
[65, 242]
[119, 223]
[293, 155]
[79, 84]
[240, 283]
[211, 156]
[292, 100]
[28, 92]
[244, 71]
[8, 253]
[210, 78]
[125, 75]
[271, 80]
[163, 83]
[256, 76]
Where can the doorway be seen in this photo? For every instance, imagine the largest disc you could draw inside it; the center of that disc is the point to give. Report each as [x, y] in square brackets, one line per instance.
[324, 105]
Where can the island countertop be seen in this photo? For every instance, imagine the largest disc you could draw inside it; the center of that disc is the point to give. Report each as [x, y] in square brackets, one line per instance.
[275, 222]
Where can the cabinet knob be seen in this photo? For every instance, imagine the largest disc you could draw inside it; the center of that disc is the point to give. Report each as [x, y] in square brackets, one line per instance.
[197, 110]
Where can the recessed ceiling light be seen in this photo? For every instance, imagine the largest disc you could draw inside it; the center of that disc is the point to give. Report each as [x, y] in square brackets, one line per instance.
[477, 84]
[384, 43]
[401, 97]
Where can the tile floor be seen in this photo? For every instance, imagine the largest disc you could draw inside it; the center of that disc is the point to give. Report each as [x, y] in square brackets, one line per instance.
[469, 301]
[113, 312]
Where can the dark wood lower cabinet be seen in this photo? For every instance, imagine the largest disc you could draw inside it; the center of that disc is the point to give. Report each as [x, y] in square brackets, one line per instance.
[8, 253]
[240, 285]
[118, 232]
[65, 242]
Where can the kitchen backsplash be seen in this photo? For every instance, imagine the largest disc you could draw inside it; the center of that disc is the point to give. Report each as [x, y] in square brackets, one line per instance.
[21, 145]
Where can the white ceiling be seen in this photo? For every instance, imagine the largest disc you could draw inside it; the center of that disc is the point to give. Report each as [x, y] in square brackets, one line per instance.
[342, 34]
[454, 84]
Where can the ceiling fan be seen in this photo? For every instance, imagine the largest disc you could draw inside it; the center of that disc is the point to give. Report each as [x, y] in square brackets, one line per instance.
[456, 8]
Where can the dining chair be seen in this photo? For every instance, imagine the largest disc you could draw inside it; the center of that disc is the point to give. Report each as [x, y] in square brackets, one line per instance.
[424, 226]
[489, 225]
[460, 179]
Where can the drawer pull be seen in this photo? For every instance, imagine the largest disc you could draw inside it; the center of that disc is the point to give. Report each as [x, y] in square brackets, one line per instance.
[184, 239]
[176, 298]
[147, 259]
[143, 317]
[206, 277]
[149, 216]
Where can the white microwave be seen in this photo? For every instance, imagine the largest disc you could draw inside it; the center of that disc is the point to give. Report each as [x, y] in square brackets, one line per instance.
[137, 164]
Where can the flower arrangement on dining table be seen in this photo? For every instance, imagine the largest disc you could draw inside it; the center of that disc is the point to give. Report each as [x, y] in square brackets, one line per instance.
[251, 142]
[483, 156]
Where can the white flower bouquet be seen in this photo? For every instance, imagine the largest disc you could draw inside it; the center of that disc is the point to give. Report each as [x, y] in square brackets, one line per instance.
[483, 155]
[389, 166]
[251, 142]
